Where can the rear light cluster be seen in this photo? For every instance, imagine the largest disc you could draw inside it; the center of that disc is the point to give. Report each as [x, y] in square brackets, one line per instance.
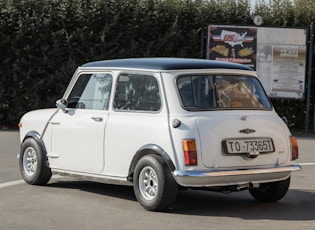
[190, 152]
[294, 148]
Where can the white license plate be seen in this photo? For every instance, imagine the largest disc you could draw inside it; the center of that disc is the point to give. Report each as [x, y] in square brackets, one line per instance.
[261, 145]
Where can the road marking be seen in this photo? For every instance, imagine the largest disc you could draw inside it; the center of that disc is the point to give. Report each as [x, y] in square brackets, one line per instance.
[11, 183]
[17, 182]
[305, 164]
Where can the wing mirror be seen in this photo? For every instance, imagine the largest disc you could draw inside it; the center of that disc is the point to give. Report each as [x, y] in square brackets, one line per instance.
[62, 104]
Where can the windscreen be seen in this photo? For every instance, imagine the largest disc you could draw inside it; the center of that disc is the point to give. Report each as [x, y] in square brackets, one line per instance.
[206, 92]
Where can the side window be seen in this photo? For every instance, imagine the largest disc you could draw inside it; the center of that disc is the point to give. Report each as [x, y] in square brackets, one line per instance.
[137, 92]
[91, 91]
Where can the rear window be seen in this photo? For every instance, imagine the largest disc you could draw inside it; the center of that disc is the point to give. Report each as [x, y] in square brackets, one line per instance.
[205, 92]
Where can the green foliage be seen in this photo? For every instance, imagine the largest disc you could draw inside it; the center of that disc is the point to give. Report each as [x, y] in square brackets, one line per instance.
[43, 42]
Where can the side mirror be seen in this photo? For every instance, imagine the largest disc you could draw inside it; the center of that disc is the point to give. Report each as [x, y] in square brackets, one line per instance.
[62, 104]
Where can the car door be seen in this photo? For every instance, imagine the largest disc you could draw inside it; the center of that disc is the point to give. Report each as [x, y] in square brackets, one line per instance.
[78, 134]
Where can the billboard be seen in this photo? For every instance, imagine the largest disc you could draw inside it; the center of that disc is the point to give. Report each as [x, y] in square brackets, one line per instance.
[277, 54]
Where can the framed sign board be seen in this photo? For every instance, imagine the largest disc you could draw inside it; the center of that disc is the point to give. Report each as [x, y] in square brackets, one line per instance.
[278, 55]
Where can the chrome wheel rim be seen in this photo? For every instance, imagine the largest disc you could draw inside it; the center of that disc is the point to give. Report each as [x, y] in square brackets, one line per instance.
[30, 161]
[148, 183]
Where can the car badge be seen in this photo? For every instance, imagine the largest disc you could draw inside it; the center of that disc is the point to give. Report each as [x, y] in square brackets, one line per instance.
[244, 118]
[247, 131]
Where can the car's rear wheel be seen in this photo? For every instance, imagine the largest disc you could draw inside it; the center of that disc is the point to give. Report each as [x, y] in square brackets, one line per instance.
[33, 168]
[154, 185]
[271, 192]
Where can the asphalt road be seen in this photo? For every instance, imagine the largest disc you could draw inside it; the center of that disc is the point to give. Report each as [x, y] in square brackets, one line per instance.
[67, 203]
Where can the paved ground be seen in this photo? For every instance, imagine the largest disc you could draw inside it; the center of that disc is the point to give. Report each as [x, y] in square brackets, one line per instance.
[67, 203]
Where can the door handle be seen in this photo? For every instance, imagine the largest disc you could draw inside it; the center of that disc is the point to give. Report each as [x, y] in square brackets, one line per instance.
[54, 122]
[97, 118]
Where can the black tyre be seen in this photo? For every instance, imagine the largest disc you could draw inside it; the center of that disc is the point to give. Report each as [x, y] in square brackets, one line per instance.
[32, 163]
[271, 192]
[153, 183]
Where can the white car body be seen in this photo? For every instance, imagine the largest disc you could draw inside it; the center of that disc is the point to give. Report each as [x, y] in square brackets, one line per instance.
[106, 144]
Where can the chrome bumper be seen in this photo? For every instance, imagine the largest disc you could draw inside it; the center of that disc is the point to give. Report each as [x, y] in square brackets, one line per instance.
[233, 177]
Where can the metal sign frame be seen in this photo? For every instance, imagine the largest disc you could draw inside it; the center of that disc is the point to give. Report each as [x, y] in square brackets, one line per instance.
[279, 55]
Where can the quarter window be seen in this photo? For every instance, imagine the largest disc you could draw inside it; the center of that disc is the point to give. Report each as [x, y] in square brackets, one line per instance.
[137, 92]
[92, 91]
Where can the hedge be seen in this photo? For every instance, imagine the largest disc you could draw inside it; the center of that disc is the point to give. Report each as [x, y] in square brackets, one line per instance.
[43, 42]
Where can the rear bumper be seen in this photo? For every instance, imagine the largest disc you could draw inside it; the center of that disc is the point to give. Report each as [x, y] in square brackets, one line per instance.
[233, 177]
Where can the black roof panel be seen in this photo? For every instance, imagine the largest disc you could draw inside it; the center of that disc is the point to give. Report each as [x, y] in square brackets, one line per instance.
[166, 64]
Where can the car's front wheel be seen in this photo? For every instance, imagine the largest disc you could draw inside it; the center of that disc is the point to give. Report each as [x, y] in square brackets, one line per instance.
[271, 192]
[154, 185]
[32, 165]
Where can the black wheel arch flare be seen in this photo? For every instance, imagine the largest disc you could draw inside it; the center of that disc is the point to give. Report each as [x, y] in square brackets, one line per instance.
[36, 136]
[147, 150]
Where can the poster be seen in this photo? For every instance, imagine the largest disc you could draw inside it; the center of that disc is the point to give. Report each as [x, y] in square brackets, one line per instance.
[281, 61]
[233, 44]
[277, 54]
[288, 63]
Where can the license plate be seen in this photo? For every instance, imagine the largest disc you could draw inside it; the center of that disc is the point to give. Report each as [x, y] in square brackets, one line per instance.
[261, 145]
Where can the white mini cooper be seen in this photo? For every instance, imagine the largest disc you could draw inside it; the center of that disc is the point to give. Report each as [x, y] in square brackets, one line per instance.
[162, 124]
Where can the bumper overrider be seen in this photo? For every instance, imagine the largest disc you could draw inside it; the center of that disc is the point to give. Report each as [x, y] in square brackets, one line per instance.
[233, 177]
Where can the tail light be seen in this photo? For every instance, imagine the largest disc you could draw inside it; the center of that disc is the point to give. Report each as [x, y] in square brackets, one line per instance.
[294, 148]
[190, 152]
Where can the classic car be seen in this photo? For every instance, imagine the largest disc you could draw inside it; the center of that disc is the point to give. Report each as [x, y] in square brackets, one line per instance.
[160, 125]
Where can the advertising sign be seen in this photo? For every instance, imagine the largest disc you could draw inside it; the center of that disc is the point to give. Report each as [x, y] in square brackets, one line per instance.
[277, 54]
[233, 44]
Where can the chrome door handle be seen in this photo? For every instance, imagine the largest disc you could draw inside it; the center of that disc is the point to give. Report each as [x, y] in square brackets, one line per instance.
[97, 118]
[54, 122]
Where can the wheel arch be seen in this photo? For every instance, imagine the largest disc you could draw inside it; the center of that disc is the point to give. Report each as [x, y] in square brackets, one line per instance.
[149, 149]
[36, 136]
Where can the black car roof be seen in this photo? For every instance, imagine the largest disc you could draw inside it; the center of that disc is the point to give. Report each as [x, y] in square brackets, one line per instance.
[165, 64]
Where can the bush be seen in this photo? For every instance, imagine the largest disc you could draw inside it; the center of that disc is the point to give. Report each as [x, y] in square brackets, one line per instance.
[42, 42]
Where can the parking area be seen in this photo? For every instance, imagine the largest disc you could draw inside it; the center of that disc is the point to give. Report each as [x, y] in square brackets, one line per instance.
[67, 203]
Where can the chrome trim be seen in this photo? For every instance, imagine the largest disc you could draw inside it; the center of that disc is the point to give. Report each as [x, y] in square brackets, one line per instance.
[229, 177]
[247, 131]
[98, 119]
[95, 178]
[244, 118]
